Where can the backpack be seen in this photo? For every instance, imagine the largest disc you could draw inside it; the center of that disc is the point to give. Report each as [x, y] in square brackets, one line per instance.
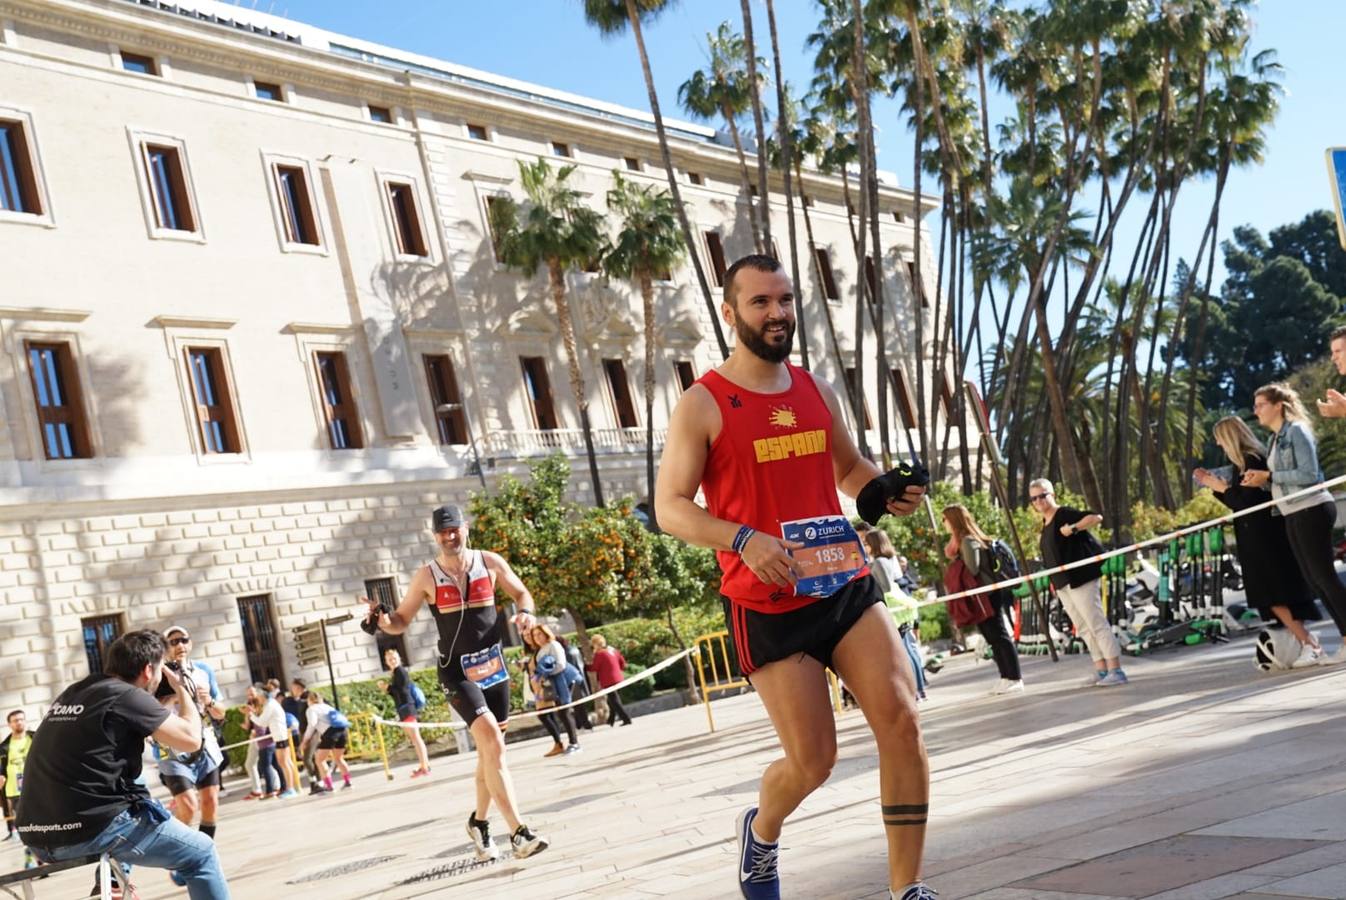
[1003, 564]
[337, 719]
[417, 696]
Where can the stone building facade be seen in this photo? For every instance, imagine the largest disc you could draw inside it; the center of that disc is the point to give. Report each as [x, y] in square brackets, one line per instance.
[252, 323]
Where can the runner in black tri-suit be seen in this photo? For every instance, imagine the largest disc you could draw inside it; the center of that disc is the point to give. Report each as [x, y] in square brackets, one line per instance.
[459, 584]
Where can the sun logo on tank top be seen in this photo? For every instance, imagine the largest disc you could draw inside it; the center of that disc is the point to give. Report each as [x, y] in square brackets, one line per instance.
[783, 417]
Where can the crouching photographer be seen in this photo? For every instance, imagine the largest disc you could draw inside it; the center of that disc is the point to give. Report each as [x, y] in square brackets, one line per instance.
[81, 790]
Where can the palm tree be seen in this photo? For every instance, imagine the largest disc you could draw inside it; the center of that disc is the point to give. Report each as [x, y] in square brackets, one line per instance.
[785, 109]
[612, 17]
[555, 231]
[724, 90]
[647, 247]
[755, 96]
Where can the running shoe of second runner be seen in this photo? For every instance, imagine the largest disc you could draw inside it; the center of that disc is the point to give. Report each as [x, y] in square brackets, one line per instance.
[918, 891]
[757, 875]
[480, 832]
[526, 843]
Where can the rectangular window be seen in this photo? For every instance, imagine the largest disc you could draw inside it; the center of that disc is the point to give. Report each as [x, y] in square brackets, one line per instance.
[695, 178]
[380, 114]
[338, 404]
[633, 163]
[491, 207]
[864, 401]
[946, 397]
[478, 132]
[686, 374]
[60, 410]
[168, 188]
[214, 402]
[296, 205]
[451, 424]
[538, 387]
[559, 148]
[897, 217]
[825, 270]
[136, 62]
[260, 641]
[384, 589]
[265, 90]
[915, 287]
[871, 279]
[715, 248]
[99, 633]
[904, 405]
[18, 181]
[615, 370]
[407, 220]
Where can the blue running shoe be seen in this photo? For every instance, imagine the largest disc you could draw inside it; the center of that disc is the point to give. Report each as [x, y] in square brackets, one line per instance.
[918, 891]
[757, 877]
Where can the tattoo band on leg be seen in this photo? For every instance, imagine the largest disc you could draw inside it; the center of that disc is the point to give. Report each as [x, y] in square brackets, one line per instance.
[900, 815]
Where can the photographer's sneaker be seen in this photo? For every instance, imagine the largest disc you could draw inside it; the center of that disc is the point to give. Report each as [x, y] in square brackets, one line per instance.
[526, 843]
[757, 876]
[1309, 655]
[918, 891]
[1112, 679]
[480, 832]
[1095, 678]
[1008, 686]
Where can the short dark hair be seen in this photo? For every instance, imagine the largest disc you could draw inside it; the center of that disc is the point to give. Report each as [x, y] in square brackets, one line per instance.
[299, 681]
[13, 713]
[758, 262]
[132, 652]
[1339, 332]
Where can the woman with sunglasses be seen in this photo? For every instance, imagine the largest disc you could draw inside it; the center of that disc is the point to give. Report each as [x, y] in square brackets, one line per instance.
[1065, 539]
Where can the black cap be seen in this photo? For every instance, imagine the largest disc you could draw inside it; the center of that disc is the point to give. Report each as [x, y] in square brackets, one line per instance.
[448, 516]
[872, 504]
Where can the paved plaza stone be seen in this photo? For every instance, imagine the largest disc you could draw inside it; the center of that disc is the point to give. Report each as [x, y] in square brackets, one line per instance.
[1202, 779]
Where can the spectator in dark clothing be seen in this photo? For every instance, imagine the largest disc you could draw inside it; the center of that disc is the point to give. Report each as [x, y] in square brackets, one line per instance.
[295, 704]
[581, 687]
[608, 666]
[970, 549]
[399, 688]
[1276, 590]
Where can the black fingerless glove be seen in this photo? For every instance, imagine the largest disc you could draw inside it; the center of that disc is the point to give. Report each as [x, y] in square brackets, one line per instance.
[872, 504]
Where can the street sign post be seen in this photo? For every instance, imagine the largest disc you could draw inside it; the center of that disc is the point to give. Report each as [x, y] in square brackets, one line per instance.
[311, 647]
[1336, 173]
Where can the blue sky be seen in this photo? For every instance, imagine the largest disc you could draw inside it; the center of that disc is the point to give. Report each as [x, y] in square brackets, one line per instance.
[548, 42]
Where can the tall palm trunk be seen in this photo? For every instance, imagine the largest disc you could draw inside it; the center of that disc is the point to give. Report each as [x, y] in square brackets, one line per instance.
[556, 277]
[712, 310]
[763, 187]
[787, 155]
[858, 91]
[744, 178]
[647, 300]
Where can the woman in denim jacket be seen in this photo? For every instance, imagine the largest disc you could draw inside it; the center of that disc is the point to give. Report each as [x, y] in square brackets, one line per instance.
[1293, 466]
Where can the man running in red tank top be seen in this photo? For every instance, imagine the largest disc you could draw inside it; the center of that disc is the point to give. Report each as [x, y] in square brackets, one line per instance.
[768, 444]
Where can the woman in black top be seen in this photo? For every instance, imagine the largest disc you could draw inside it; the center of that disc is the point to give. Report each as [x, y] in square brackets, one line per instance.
[400, 690]
[1273, 583]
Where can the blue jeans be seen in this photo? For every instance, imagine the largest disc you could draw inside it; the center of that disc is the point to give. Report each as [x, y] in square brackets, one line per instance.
[266, 763]
[147, 835]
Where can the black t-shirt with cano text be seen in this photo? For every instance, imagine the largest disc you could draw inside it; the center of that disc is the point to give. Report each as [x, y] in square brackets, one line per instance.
[84, 762]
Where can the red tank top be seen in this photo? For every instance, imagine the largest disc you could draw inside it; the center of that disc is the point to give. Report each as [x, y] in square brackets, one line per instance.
[771, 463]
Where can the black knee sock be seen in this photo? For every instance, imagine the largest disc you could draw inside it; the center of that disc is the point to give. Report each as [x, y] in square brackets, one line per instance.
[208, 830]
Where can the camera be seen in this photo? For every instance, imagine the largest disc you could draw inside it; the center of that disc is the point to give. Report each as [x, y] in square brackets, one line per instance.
[370, 625]
[174, 665]
[872, 503]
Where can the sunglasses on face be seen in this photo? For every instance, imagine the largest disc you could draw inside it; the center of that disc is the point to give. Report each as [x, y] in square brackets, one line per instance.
[1034, 498]
[179, 641]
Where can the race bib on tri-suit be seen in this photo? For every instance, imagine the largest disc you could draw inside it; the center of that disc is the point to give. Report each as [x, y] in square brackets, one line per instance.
[485, 667]
[831, 555]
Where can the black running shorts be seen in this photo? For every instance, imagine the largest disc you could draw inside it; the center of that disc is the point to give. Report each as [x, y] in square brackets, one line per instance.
[470, 700]
[761, 638]
[333, 739]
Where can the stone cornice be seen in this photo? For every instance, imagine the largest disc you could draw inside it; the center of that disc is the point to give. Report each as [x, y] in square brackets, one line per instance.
[204, 322]
[43, 314]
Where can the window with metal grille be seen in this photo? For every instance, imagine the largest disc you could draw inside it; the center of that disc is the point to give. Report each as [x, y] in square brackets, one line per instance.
[538, 387]
[620, 386]
[215, 411]
[715, 249]
[18, 181]
[99, 633]
[385, 590]
[168, 188]
[343, 420]
[407, 220]
[451, 424]
[260, 641]
[57, 395]
[296, 205]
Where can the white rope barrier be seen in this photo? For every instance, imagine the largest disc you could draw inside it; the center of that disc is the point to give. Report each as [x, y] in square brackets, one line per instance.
[639, 676]
[251, 740]
[1160, 539]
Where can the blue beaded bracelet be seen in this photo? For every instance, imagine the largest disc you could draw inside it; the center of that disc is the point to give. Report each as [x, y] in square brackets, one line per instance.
[741, 539]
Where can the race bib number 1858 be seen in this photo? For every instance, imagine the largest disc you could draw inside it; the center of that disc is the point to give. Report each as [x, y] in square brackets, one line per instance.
[831, 555]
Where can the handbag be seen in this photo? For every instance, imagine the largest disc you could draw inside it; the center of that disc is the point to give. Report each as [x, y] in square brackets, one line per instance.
[965, 611]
